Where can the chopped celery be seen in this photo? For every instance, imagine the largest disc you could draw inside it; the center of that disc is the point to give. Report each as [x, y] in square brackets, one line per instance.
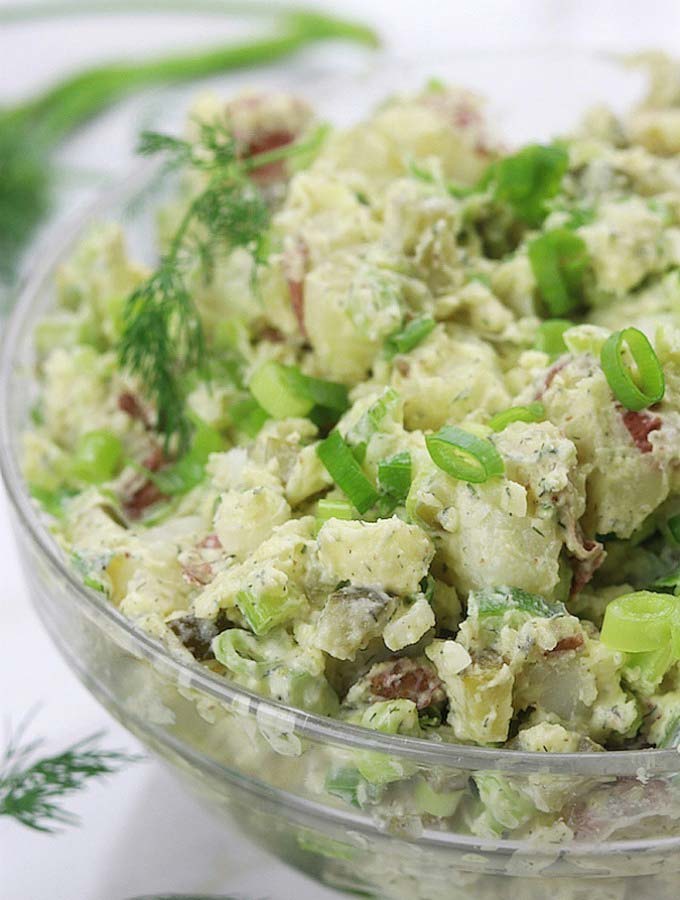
[266, 612]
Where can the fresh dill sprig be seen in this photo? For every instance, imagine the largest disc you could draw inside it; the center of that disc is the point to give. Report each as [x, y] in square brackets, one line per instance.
[162, 337]
[30, 792]
[31, 130]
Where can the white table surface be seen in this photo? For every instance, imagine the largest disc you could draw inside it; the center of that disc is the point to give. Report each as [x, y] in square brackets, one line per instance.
[140, 832]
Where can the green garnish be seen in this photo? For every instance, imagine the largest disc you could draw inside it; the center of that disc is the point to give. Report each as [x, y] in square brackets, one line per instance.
[30, 131]
[163, 337]
[342, 466]
[674, 528]
[248, 416]
[409, 336]
[284, 391]
[639, 622]
[189, 470]
[636, 381]
[394, 476]
[334, 509]
[532, 412]
[550, 336]
[464, 455]
[527, 180]
[97, 456]
[559, 260]
[497, 601]
[30, 792]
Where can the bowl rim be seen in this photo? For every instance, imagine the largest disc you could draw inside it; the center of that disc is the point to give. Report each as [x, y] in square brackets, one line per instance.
[48, 253]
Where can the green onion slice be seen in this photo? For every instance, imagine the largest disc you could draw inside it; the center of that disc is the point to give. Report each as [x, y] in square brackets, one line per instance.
[343, 468]
[334, 509]
[674, 527]
[248, 416]
[559, 260]
[634, 386]
[284, 392]
[394, 476]
[464, 455]
[409, 336]
[532, 412]
[638, 622]
[189, 470]
[549, 337]
[528, 179]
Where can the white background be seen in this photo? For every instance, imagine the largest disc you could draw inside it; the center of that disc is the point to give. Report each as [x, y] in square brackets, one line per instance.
[140, 832]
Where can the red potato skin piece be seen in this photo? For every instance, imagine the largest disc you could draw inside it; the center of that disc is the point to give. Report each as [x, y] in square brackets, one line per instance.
[142, 499]
[573, 642]
[211, 542]
[296, 289]
[407, 680]
[130, 404]
[639, 426]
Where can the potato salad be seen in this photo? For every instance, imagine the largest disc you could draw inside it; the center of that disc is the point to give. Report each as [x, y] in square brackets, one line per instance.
[390, 431]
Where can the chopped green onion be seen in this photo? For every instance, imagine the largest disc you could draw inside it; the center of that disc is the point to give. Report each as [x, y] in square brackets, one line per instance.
[284, 392]
[97, 457]
[51, 501]
[280, 391]
[671, 737]
[652, 665]
[409, 336]
[532, 412]
[266, 612]
[394, 476]
[559, 260]
[633, 389]
[344, 783]
[189, 470]
[464, 455]
[497, 601]
[343, 468]
[638, 622]
[248, 416]
[371, 422]
[528, 179]
[440, 804]
[674, 527]
[549, 337]
[334, 509]
[671, 582]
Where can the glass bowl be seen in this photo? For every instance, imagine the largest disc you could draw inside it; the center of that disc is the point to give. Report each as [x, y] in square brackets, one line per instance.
[266, 766]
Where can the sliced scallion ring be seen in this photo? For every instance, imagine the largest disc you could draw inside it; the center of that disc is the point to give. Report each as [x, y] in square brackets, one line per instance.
[464, 455]
[633, 389]
[638, 622]
[341, 465]
[532, 412]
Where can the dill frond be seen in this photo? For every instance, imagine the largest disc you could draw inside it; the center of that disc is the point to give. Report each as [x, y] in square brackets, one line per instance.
[162, 336]
[30, 792]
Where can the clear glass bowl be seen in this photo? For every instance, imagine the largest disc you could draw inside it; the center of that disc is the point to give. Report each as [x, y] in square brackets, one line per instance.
[264, 765]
